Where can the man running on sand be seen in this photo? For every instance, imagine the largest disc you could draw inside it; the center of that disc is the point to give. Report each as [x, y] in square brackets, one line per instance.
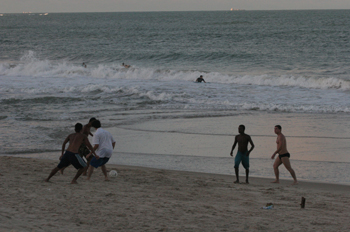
[71, 156]
[283, 156]
[104, 144]
[242, 154]
[83, 150]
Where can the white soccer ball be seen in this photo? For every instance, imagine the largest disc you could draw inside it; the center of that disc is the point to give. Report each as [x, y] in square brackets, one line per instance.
[113, 173]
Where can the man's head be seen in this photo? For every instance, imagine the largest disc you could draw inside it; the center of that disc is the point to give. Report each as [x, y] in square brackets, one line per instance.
[241, 129]
[78, 127]
[278, 129]
[91, 120]
[96, 124]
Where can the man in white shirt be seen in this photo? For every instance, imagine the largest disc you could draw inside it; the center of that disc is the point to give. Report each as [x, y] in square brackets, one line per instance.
[103, 146]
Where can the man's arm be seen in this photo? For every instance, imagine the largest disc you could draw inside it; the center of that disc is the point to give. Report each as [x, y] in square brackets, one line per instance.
[64, 145]
[279, 147]
[233, 146]
[92, 149]
[252, 144]
[113, 145]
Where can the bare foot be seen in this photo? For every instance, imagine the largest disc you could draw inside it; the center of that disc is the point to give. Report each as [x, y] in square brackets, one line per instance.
[46, 180]
[247, 182]
[236, 182]
[276, 182]
[74, 182]
[295, 183]
[106, 179]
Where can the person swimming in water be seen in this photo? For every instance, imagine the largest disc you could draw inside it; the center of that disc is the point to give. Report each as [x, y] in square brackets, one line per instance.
[200, 79]
[126, 65]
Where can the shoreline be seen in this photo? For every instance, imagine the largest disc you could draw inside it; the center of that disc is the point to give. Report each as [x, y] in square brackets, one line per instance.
[149, 199]
[123, 159]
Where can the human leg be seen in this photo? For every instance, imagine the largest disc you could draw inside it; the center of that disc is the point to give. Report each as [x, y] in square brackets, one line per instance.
[238, 160]
[62, 170]
[247, 175]
[91, 170]
[277, 163]
[237, 175]
[80, 171]
[53, 172]
[286, 163]
[88, 165]
[104, 171]
[245, 163]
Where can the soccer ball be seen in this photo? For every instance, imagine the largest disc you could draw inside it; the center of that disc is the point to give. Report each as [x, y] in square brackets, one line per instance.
[113, 173]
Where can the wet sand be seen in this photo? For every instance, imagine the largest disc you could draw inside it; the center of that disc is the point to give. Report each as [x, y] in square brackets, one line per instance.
[144, 199]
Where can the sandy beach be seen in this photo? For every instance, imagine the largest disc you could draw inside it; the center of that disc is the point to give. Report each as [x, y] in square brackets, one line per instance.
[143, 199]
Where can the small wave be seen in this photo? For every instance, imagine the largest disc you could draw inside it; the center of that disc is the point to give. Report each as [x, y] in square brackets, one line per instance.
[30, 66]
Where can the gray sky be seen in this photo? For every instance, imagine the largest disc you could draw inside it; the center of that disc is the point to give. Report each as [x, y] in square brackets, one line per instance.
[43, 6]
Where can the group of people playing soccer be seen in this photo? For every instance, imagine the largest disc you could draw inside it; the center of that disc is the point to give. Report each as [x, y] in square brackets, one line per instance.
[103, 144]
[79, 146]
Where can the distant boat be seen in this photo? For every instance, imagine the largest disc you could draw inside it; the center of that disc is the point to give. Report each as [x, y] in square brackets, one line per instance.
[233, 9]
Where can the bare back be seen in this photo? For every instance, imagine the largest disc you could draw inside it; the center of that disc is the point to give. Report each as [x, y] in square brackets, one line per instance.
[75, 140]
[281, 144]
[86, 130]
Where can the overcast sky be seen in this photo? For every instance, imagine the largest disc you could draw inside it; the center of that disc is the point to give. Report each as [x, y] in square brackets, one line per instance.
[18, 6]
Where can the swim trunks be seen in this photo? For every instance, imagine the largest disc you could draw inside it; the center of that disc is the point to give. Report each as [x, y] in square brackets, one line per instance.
[284, 155]
[98, 162]
[69, 158]
[242, 157]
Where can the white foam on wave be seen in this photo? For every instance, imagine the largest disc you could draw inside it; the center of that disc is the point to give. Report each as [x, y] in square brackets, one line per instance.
[30, 66]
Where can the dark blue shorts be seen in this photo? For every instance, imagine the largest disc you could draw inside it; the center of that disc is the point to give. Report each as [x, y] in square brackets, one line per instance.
[98, 162]
[69, 158]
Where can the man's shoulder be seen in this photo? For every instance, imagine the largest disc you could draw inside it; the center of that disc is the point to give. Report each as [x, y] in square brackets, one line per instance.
[74, 135]
[242, 136]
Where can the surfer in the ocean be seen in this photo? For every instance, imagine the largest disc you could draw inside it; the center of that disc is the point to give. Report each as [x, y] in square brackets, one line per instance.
[200, 79]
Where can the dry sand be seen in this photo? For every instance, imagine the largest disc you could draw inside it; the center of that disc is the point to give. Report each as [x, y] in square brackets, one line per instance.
[142, 199]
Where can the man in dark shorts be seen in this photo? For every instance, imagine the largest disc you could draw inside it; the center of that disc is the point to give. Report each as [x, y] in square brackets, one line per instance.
[104, 144]
[242, 154]
[71, 155]
[83, 150]
[283, 156]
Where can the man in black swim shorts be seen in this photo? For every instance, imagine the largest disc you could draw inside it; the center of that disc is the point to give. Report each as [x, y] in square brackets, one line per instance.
[71, 156]
[283, 157]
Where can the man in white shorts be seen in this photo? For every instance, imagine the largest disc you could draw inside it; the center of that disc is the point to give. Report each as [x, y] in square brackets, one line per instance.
[103, 146]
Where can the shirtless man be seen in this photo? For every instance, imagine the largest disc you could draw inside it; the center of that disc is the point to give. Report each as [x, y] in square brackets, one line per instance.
[71, 155]
[242, 154]
[283, 155]
[83, 150]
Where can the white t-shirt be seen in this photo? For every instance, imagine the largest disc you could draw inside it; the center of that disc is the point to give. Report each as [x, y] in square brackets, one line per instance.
[104, 140]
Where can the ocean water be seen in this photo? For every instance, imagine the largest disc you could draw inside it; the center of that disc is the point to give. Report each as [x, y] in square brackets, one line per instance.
[260, 66]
